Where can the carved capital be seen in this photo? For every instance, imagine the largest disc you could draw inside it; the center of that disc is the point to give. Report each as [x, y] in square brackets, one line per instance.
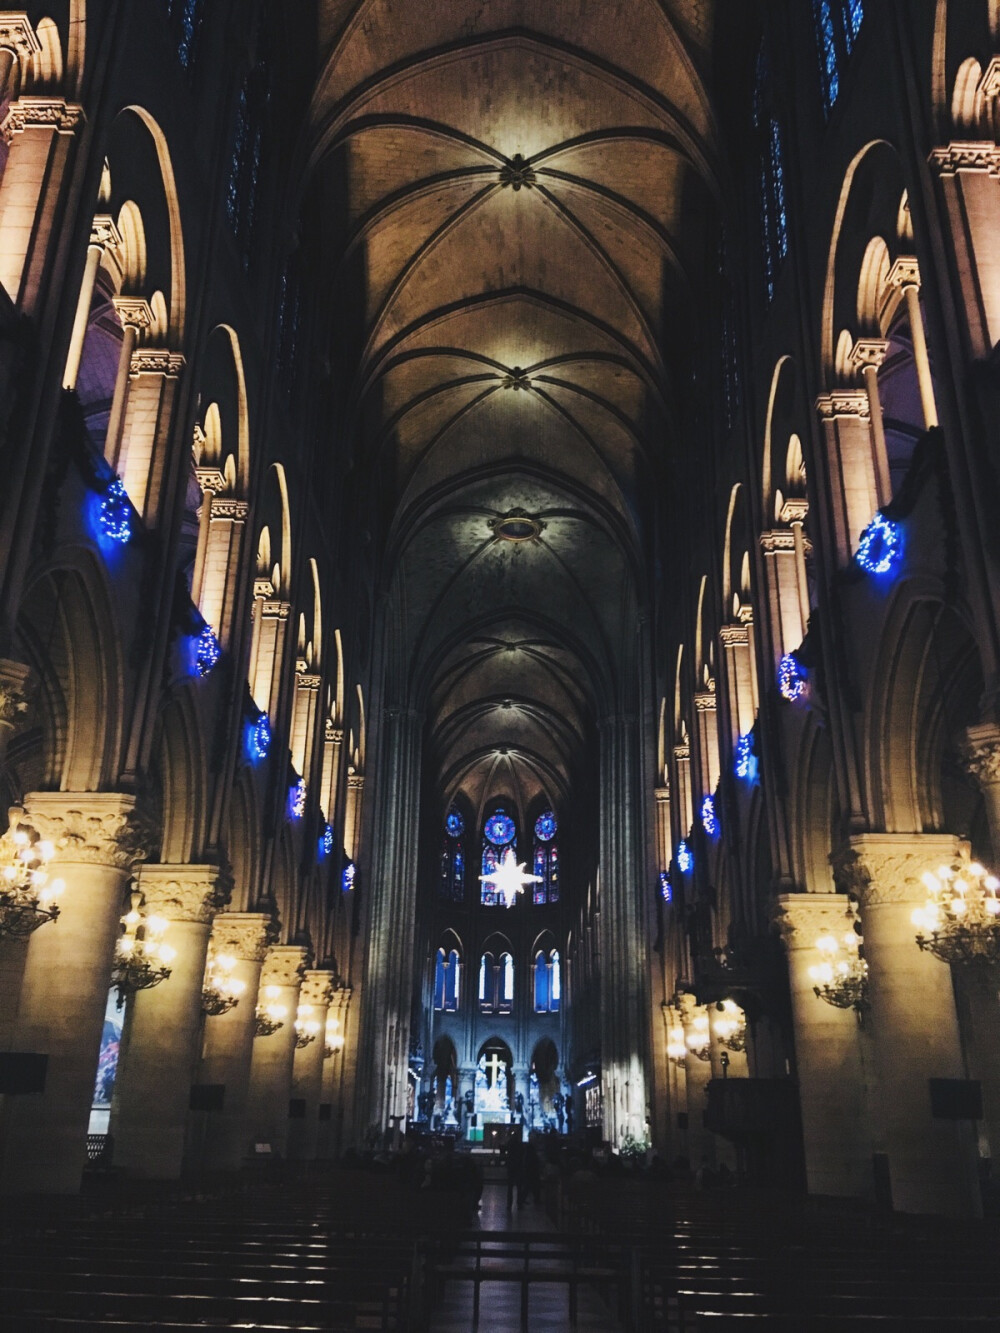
[794, 510]
[14, 682]
[104, 233]
[779, 541]
[225, 506]
[734, 636]
[211, 479]
[43, 113]
[663, 795]
[245, 935]
[93, 828]
[803, 917]
[317, 988]
[682, 754]
[275, 609]
[868, 352]
[844, 403]
[305, 680]
[17, 34]
[905, 272]
[134, 312]
[332, 734]
[704, 701]
[355, 782]
[156, 361]
[962, 155]
[184, 892]
[981, 753]
[687, 1006]
[341, 1001]
[885, 868]
[284, 965]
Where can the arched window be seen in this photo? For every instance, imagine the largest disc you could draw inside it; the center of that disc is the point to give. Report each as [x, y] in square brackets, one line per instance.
[447, 981]
[499, 834]
[496, 983]
[247, 155]
[289, 322]
[837, 23]
[185, 21]
[546, 865]
[452, 883]
[548, 982]
[732, 388]
[770, 173]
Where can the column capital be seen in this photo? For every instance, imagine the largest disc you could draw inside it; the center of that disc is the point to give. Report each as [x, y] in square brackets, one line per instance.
[42, 113]
[245, 935]
[332, 734]
[794, 510]
[966, 155]
[341, 1000]
[135, 312]
[156, 361]
[94, 827]
[15, 679]
[662, 794]
[778, 540]
[734, 636]
[104, 233]
[317, 987]
[355, 781]
[185, 892]
[704, 701]
[17, 34]
[868, 352]
[905, 272]
[885, 868]
[844, 403]
[226, 506]
[284, 965]
[803, 917]
[686, 1004]
[981, 752]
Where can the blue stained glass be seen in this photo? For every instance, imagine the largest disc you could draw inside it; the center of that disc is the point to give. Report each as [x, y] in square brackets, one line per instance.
[539, 894]
[499, 829]
[454, 824]
[855, 15]
[545, 827]
[778, 178]
[823, 19]
[488, 895]
[190, 23]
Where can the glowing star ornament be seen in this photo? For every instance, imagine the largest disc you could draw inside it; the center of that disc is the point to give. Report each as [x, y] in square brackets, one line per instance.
[509, 878]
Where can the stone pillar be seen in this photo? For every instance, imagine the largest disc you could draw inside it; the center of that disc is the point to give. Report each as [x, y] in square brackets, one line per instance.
[969, 177]
[782, 558]
[155, 1072]
[905, 274]
[226, 524]
[932, 1162]
[866, 356]
[697, 1072]
[334, 1072]
[685, 796]
[153, 378]
[625, 1039]
[676, 1138]
[383, 1043]
[105, 238]
[217, 1136]
[828, 1056]
[307, 1069]
[707, 734]
[271, 1067]
[734, 640]
[352, 812]
[845, 419]
[67, 976]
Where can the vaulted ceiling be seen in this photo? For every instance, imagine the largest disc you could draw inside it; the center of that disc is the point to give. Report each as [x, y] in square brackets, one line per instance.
[524, 199]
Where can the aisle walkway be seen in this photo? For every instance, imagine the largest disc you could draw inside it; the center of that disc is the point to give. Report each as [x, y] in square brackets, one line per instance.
[500, 1302]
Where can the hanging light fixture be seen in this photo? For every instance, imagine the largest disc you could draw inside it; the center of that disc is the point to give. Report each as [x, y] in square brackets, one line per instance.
[307, 1028]
[142, 960]
[270, 1015]
[221, 991]
[841, 978]
[960, 922]
[334, 1038]
[676, 1049]
[27, 895]
[697, 1040]
[730, 1025]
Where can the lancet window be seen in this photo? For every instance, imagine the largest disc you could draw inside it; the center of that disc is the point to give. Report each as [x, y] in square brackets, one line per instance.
[185, 19]
[837, 23]
[447, 981]
[770, 173]
[499, 835]
[546, 862]
[548, 982]
[452, 882]
[496, 983]
[247, 155]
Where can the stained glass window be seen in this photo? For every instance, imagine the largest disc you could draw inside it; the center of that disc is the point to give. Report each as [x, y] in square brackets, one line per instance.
[496, 983]
[185, 20]
[499, 833]
[247, 156]
[447, 981]
[770, 174]
[546, 860]
[548, 982]
[452, 882]
[732, 388]
[289, 323]
[837, 24]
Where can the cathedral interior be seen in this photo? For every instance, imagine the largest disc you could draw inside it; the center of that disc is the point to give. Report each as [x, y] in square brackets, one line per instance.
[499, 609]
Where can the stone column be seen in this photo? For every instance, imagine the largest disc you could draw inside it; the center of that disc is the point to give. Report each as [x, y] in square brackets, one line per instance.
[845, 420]
[383, 1043]
[625, 1040]
[104, 238]
[271, 1067]
[676, 1138]
[700, 1141]
[352, 812]
[334, 1071]
[914, 1023]
[969, 177]
[905, 274]
[866, 356]
[67, 976]
[229, 1041]
[307, 1068]
[832, 1092]
[155, 1072]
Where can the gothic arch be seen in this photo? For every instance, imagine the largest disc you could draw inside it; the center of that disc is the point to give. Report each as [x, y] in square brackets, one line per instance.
[183, 779]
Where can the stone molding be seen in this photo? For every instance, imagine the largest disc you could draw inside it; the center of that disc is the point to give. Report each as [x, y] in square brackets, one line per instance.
[682, 754]
[778, 541]
[305, 680]
[734, 636]
[662, 794]
[803, 917]
[17, 34]
[224, 506]
[868, 352]
[881, 869]
[156, 361]
[135, 312]
[905, 272]
[184, 892]
[332, 734]
[14, 687]
[275, 609]
[355, 781]
[284, 965]
[317, 988]
[704, 701]
[90, 828]
[966, 155]
[981, 753]
[989, 84]
[42, 113]
[844, 403]
[245, 935]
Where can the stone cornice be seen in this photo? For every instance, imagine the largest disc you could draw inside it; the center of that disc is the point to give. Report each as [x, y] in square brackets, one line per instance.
[42, 113]
[284, 965]
[844, 403]
[317, 988]
[966, 155]
[156, 361]
[734, 636]
[91, 828]
[778, 541]
[224, 506]
[245, 935]
[184, 892]
[803, 917]
[17, 34]
[885, 868]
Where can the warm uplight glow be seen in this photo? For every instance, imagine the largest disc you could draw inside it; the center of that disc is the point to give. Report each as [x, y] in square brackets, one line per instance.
[960, 922]
[27, 895]
[221, 990]
[142, 959]
[840, 978]
[676, 1048]
[509, 878]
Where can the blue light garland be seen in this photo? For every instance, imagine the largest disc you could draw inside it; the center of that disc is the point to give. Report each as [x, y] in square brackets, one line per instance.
[116, 514]
[326, 841]
[684, 858]
[207, 651]
[666, 888]
[743, 756]
[297, 799]
[260, 737]
[881, 546]
[709, 819]
[792, 677]
[348, 877]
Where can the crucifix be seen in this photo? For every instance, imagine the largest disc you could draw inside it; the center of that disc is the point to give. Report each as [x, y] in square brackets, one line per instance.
[493, 1066]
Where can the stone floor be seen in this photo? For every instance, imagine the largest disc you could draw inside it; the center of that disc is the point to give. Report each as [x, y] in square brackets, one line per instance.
[500, 1302]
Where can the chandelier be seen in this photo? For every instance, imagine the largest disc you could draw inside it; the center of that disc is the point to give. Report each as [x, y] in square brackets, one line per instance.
[270, 1015]
[27, 896]
[307, 1028]
[676, 1049]
[961, 920]
[509, 879]
[334, 1038]
[841, 978]
[221, 990]
[730, 1025]
[142, 960]
[698, 1038]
